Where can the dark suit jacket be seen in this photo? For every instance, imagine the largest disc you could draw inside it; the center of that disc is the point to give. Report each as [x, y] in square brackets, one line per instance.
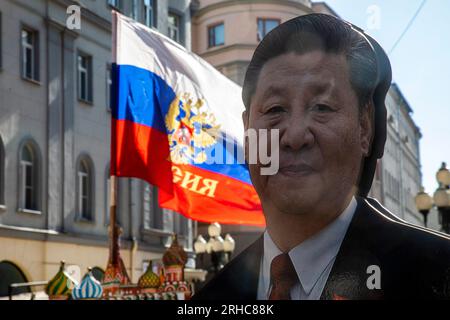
[414, 263]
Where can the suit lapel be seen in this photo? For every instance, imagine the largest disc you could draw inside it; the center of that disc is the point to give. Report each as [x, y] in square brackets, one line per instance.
[349, 274]
[239, 279]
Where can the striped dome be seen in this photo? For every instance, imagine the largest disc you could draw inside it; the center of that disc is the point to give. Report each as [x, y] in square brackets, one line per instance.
[89, 288]
[61, 284]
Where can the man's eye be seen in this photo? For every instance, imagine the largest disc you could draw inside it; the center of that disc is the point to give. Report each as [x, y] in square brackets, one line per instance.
[275, 110]
[322, 108]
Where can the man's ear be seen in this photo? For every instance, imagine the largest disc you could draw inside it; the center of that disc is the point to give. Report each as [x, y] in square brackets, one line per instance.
[366, 128]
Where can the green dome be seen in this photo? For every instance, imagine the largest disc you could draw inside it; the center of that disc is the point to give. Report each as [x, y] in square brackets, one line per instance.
[149, 279]
[61, 284]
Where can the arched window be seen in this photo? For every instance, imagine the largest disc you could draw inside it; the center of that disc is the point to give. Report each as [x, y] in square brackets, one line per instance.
[85, 189]
[29, 178]
[10, 273]
[2, 172]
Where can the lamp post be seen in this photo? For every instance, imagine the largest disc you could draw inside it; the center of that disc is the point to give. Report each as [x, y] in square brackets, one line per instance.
[217, 247]
[424, 203]
[441, 199]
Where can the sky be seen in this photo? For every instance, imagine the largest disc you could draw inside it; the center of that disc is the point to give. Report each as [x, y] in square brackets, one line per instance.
[420, 64]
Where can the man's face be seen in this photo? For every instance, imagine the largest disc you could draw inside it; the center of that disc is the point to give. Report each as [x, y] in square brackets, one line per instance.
[309, 99]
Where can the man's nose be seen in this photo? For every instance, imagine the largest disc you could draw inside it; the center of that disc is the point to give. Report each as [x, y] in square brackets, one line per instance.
[296, 134]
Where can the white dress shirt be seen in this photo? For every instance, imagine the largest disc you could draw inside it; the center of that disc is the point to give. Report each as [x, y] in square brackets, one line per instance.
[312, 259]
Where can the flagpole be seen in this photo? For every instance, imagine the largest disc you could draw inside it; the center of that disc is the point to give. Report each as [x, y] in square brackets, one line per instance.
[115, 273]
[114, 252]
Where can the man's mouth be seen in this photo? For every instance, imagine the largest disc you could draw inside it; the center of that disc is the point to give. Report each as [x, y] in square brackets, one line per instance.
[296, 170]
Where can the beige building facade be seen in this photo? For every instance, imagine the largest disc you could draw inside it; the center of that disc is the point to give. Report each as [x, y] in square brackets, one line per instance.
[244, 23]
[55, 142]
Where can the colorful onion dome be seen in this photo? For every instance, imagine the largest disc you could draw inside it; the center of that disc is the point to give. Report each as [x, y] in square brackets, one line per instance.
[175, 255]
[149, 279]
[61, 285]
[89, 288]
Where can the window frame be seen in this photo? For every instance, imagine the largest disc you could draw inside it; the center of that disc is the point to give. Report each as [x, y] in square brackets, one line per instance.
[83, 195]
[89, 86]
[212, 27]
[35, 165]
[150, 19]
[114, 3]
[89, 214]
[177, 27]
[34, 47]
[135, 9]
[155, 221]
[264, 20]
[28, 186]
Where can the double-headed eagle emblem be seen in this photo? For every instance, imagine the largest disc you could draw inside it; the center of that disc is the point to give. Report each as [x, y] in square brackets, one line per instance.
[191, 130]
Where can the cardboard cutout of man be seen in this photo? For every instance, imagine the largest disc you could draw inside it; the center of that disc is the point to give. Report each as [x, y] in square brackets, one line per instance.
[322, 83]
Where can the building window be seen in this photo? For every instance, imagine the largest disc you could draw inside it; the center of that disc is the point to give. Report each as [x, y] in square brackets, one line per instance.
[2, 172]
[216, 35]
[181, 226]
[10, 273]
[152, 214]
[108, 86]
[115, 3]
[30, 54]
[29, 179]
[174, 27]
[149, 13]
[135, 9]
[85, 78]
[265, 26]
[85, 189]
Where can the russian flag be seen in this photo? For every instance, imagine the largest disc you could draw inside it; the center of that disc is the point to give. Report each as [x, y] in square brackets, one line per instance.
[176, 123]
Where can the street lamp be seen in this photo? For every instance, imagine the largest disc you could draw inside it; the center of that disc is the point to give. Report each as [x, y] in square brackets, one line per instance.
[441, 199]
[443, 175]
[424, 203]
[219, 248]
[228, 246]
[214, 229]
[200, 245]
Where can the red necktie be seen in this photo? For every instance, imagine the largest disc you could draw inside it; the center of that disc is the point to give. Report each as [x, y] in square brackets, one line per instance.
[283, 277]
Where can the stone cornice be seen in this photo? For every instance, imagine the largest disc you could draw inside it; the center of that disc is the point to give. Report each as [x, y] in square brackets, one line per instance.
[226, 48]
[230, 3]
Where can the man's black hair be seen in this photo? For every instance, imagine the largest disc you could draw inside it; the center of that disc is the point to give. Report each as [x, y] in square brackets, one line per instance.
[369, 67]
